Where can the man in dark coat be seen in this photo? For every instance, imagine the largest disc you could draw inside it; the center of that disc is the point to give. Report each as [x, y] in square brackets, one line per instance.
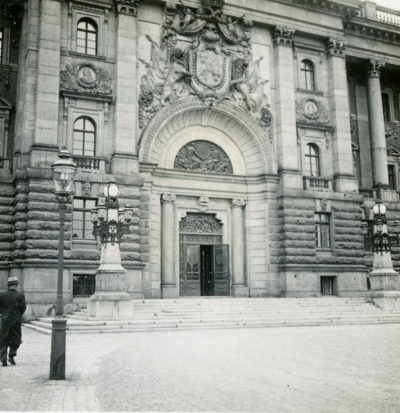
[12, 306]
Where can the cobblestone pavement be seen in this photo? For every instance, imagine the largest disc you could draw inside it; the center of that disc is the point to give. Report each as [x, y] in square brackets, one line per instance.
[296, 369]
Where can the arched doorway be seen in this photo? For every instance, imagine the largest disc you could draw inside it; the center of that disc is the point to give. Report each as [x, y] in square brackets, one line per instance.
[203, 259]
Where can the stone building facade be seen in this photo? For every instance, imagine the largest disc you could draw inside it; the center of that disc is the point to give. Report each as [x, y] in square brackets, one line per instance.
[251, 138]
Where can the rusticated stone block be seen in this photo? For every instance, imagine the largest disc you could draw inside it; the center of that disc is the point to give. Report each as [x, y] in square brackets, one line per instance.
[40, 197]
[346, 230]
[19, 244]
[346, 223]
[5, 228]
[82, 254]
[43, 206]
[41, 254]
[144, 197]
[8, 237]
[45, 187]
[300, 252]
[308, 244]
[43, 234]
[350, 207]
[5, 246]
[298, 228]
[44, 244]
[5, 256]
[144, 232]
[339, 244]
[43, 216]
[346, 252]
[43, 225]
[5, 219]
[300, 236]
[130, 256]
[21, 208]
[6, 201]
[6, 210]
[131, 246]
[298, 260]
[144, 249]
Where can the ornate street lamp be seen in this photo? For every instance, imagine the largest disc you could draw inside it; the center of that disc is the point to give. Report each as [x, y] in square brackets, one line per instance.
[382, 241]
[110, 221]
[64, 171]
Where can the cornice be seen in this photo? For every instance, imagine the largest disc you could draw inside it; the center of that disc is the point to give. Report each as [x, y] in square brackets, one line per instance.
[373, 29]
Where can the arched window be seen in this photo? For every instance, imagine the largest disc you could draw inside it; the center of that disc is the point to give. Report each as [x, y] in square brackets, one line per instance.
[312, 166]
[86, 41]
[84, 137]
[307, 81]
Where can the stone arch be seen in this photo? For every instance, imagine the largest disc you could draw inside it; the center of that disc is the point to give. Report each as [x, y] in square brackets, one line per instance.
[245, 142]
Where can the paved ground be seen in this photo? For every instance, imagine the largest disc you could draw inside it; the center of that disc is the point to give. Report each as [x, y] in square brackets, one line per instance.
[296, 369]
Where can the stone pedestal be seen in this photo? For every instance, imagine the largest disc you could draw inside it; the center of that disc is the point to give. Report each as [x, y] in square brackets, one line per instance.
[111, 299]
[385, 283]
[168, 285]
[239, 288]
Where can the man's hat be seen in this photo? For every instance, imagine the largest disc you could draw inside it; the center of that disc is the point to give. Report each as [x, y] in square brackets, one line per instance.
[12, 280]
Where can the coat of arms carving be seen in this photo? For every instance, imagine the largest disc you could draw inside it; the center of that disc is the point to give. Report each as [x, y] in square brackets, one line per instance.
[204, 53]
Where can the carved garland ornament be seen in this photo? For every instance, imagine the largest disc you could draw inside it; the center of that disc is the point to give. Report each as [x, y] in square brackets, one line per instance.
[206, 54]
[85, 78]
[203, 156]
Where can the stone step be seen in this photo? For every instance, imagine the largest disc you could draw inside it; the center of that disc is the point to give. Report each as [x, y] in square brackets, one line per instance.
[195, 326]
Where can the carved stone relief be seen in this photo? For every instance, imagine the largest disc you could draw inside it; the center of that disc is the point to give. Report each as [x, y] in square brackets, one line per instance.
[310, 110]
[200, 224]
[85, 78]
[206, 54]
[203, 156]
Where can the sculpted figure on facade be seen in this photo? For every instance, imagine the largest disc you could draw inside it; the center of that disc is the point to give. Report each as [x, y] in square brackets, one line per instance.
[206, 54]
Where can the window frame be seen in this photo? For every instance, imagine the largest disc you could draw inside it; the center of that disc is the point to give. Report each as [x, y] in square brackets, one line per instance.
[319, 225]
[86, 217]
[84, 132]
[81, 275]
[307, 75]
[308, 160]
[87, 21]
[393, 184]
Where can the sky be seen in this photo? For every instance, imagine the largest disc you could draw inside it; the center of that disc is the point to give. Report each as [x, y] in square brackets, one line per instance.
[392, 4]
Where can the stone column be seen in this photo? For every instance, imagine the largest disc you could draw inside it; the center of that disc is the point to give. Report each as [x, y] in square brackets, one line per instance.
[45, 137]
[168, 284]
[124, 160]
[238, 270]
[343, 172]
[377, 126]
[285, 106]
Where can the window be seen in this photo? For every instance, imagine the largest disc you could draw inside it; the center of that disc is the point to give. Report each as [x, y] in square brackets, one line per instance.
[322, 230]
[86, 41]
[82, 226]
[392, 176]
[312, 167]
[84, 137]
[307, 75]
[328, 285]
[386, 107]
[84, 285]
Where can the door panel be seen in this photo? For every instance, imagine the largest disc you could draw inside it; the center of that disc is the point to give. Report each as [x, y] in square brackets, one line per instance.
[189, 270]
[221, 270]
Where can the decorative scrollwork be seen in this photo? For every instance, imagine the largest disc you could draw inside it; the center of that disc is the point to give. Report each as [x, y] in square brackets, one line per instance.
[203, 156]
[200, 224]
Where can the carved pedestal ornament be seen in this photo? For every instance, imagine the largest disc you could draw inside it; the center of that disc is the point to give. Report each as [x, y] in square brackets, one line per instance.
[206, 54]
[312, 111]
[85, 78]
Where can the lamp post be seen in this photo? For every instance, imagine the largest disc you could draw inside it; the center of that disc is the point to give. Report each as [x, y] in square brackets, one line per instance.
[110, 223]
[64, 171]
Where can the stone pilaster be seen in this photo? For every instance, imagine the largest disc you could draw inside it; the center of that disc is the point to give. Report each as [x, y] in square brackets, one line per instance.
[238, 271]
[285, 106]
[124, 159]
[45, 139]
[343, 173]
[377, 126]
[168, 283]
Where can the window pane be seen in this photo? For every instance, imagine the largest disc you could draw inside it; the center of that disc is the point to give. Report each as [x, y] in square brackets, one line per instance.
[78, 124]
[90, 203]
[89, 126]
[78, 203]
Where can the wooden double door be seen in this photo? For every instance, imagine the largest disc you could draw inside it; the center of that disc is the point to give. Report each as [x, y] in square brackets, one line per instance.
[204, 270]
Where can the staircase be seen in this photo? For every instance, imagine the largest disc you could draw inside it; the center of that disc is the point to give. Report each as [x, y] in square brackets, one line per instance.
[198, 313]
